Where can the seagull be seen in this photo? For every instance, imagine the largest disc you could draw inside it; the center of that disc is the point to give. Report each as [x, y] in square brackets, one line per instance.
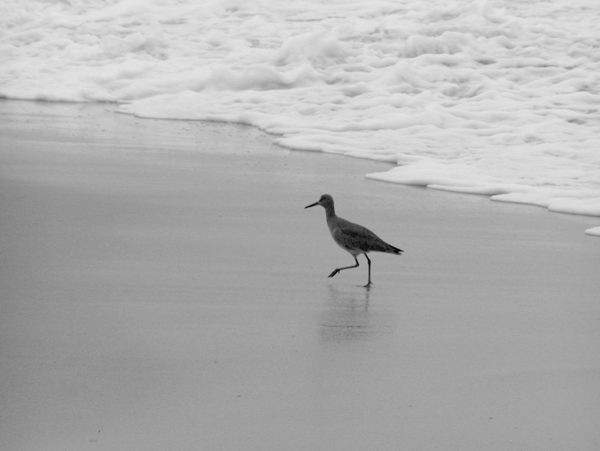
[353, 238]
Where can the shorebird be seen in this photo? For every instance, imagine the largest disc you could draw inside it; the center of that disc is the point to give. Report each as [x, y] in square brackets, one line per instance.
[353, 238]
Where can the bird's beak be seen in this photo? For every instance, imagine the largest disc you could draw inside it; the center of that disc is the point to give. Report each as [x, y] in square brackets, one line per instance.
[311, 205]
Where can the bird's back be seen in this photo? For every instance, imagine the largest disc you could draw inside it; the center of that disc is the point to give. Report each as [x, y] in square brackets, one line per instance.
[357, 239]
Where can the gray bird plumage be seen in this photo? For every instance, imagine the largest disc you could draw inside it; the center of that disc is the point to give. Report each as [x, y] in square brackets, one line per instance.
[352, 237]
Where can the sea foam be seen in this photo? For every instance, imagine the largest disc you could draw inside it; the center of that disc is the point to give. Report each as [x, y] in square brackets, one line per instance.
[500, 98]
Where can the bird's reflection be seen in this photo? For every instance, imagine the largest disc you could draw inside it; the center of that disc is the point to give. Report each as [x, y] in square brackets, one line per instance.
[346, 316]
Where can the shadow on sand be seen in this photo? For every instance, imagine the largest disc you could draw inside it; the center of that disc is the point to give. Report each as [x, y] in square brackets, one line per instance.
[346, 316]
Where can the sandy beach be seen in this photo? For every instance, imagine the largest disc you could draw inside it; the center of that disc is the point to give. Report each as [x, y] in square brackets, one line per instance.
[163, 288]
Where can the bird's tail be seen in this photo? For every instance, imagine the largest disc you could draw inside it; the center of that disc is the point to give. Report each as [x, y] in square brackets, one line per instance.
[395, 250]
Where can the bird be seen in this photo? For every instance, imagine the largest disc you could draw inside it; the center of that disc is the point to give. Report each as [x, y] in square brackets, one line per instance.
[353, 238]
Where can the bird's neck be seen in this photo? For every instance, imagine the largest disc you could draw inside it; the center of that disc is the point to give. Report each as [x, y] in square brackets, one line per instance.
[330, 211]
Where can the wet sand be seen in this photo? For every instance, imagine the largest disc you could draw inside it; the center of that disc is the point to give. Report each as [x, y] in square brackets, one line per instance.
[163, 289]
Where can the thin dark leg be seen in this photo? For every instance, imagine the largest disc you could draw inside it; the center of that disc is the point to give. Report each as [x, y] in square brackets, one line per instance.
[335, 271]
[369, 260]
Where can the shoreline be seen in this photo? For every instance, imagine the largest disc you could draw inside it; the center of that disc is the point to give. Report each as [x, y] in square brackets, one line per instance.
[377, 176]
[164, 288]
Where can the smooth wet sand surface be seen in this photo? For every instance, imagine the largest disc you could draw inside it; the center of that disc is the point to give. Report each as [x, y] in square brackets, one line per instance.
[162, 288]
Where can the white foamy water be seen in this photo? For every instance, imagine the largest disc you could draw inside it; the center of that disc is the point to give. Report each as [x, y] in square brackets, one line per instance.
[491, 97]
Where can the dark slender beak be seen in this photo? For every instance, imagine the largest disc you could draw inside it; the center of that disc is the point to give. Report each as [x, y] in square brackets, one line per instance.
[311, 205]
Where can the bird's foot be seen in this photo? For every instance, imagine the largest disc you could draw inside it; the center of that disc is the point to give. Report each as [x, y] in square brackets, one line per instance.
[335, 271]
[368, 285]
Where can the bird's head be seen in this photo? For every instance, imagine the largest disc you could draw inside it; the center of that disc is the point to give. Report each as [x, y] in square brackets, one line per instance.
[325, 201]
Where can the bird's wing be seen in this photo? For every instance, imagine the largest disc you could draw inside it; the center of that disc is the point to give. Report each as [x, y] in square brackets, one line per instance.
[354, 236]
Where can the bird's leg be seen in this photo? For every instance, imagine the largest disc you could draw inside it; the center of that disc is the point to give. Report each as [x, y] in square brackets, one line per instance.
[335, 271]
[368, 260]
